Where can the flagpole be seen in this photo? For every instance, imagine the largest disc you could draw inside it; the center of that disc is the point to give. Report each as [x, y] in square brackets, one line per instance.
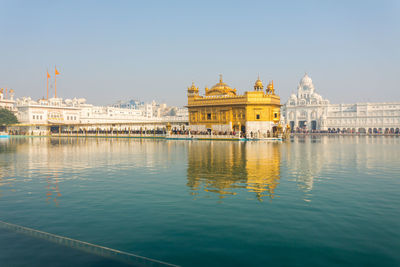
[47, 74]
[55, 81]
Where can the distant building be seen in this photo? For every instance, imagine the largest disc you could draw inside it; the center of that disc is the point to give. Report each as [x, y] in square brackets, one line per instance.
[153, 109]
[307, 110]
[37, 117]
[132, 104]
[55, 114]
[7, 103]
[255, 112]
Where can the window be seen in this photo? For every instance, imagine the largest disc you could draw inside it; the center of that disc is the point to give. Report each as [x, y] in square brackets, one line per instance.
[208, 116]
[258, 116]
[275, 115]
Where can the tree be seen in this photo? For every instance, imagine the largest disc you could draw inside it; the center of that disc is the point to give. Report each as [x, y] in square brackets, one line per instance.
[172, 112]
[7, 117]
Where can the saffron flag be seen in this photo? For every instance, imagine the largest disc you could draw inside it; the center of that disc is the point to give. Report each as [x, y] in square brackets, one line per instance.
[48, 75]
[57, 73]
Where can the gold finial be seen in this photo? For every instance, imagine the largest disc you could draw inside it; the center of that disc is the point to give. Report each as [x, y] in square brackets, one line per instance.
[220, 78]
[193, 88]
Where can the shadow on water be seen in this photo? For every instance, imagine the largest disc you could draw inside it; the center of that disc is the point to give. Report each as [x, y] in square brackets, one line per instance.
[120, 257]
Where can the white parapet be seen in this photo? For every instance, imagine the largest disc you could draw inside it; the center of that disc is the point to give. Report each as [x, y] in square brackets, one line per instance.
[260, 127]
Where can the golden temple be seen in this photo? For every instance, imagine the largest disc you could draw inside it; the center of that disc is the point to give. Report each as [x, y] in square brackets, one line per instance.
[255, 113]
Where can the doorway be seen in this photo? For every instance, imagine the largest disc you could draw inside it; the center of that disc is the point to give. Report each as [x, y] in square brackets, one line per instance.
[313, 125]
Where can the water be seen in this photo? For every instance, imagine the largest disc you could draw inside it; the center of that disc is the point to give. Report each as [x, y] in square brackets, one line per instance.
[324, 201]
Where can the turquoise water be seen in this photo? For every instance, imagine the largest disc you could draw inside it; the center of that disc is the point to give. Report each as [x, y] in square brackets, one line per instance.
[326, 201]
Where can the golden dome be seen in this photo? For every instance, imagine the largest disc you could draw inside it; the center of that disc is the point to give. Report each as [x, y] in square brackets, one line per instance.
[258, 85]
[193, 87]
[221, 88]
[193, 90]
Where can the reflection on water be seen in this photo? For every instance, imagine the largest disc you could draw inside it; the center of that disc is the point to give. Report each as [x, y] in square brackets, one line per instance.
[52, 161]
[221, 167]
[213, 167]
[53, 192]
[309, 159]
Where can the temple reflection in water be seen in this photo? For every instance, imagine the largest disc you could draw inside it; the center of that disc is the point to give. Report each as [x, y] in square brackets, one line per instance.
[227, 167]
[205, 168]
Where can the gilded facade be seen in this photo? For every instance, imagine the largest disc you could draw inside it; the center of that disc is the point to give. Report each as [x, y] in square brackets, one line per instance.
[221, 109]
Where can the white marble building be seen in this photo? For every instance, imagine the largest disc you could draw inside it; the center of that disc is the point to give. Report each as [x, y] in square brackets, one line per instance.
[36, 117]
[308, 110]
[42, 116]
[7, 103]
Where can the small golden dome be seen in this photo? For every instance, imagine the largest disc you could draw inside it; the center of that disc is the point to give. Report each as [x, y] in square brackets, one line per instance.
[258, 85]
[193, 87]
[193, 90]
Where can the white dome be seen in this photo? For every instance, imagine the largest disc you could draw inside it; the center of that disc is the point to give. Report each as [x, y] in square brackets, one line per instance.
[306, 80]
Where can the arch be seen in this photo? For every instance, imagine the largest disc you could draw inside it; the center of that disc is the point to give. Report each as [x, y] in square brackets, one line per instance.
[313, 115]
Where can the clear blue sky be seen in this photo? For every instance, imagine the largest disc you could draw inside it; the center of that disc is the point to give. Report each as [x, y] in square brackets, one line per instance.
[111, 50]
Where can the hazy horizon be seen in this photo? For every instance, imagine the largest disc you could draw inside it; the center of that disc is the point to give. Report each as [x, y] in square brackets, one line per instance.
[120, 50]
